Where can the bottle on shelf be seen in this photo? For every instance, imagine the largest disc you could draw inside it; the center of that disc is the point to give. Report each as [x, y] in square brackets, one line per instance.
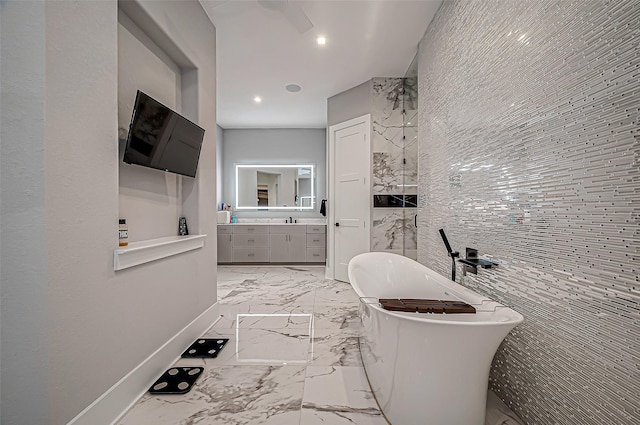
[182, 227]
[123, 232]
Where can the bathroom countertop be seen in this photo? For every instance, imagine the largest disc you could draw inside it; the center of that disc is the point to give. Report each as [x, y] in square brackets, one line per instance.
[276, 221]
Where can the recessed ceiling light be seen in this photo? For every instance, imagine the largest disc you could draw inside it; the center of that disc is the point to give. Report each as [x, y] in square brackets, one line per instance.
[257, 99]
[293, 88]
[321, 41]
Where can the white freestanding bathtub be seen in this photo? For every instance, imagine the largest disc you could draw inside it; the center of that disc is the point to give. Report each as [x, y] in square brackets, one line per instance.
[427, 369]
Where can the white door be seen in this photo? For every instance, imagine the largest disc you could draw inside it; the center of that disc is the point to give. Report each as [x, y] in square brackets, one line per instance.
[349, 206]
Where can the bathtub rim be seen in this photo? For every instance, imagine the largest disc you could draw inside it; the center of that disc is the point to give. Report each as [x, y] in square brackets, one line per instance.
[434, 318]
[513, 317]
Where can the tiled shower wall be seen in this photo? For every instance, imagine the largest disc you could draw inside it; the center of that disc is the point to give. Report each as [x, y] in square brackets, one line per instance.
[529, 151]
[394, 166]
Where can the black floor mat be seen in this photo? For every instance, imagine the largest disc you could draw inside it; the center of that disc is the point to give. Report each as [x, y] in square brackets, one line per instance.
[205, 347]
[177, 380]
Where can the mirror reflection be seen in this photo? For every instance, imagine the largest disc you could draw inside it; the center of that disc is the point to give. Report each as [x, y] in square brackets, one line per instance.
[275, 187]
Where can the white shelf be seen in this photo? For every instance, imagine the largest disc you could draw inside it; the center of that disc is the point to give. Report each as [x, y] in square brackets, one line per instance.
[137, 253]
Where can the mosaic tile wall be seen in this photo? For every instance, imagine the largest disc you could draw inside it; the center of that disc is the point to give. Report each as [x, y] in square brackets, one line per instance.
[394, 166]
[529, 150]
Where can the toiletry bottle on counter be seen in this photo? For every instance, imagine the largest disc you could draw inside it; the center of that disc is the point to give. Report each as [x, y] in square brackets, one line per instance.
[123, 232]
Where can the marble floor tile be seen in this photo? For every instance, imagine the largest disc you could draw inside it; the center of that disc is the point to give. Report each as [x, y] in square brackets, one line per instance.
[274, 274]
[312, 415]
[264, 316]
[289, 320]
[268, 297]
[337, 316]
[336, 292]
[291, 332]
[282, 287]
[256, 346]
[223, 292]
[229, 275]
[229, 395]
[331, 348]
[339, 395]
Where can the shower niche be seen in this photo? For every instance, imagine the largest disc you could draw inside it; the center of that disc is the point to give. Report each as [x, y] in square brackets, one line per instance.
[395, 163]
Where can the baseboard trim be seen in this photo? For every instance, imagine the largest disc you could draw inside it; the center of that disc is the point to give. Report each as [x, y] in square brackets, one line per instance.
[117, 400]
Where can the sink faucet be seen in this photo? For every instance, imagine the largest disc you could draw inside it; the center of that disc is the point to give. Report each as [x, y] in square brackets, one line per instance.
[290, 220]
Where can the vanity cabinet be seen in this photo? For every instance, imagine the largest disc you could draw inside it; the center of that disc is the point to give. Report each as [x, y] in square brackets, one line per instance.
[271, 243]
[225, 244]
[316, 244]
[288, 244]
[250, 244]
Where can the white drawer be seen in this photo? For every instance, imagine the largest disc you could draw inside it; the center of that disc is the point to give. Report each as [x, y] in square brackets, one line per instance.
[225, 229]
[250, 240]
[288, 229]
[250, 255]
[251, 230]
[317, 228]
[316, 255]
[316, 240]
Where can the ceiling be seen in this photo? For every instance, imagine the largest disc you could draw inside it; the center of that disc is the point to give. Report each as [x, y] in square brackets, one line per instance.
[259, 52]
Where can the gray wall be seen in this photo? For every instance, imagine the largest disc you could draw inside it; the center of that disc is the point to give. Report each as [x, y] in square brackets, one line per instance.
[219, 174]
[24, 308]
[274, 146]
[529, 140]
[71, 326]
[352, 103]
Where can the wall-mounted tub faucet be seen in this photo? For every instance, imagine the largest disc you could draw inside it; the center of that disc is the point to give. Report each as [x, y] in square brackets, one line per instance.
[471, 262]
[452, 254]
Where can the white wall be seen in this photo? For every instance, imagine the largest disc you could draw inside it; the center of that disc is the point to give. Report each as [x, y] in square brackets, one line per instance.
[274, 146]
[71, 326]
[145, 192]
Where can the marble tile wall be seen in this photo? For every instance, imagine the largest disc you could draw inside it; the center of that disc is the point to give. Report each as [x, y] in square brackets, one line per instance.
[394, 166]
[387, 141]
[410, 126]
[529, 151]
[410, 171]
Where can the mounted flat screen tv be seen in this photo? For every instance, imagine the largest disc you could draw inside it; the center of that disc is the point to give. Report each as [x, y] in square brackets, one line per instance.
[162, 139]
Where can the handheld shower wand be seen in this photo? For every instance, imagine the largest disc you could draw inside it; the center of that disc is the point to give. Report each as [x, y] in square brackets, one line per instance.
[452, 254]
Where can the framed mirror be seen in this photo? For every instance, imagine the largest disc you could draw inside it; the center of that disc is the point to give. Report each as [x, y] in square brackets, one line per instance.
[275, 187]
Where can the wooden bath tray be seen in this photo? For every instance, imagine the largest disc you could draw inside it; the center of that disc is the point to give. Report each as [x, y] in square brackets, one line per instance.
[426, 306]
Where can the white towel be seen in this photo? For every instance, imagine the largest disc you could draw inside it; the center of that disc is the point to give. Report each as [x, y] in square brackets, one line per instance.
[223, 217]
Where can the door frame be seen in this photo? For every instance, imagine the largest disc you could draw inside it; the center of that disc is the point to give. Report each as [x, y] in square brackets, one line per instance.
[366, 119]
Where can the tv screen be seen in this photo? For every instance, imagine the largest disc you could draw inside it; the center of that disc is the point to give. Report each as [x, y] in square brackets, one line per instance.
[161, 138]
